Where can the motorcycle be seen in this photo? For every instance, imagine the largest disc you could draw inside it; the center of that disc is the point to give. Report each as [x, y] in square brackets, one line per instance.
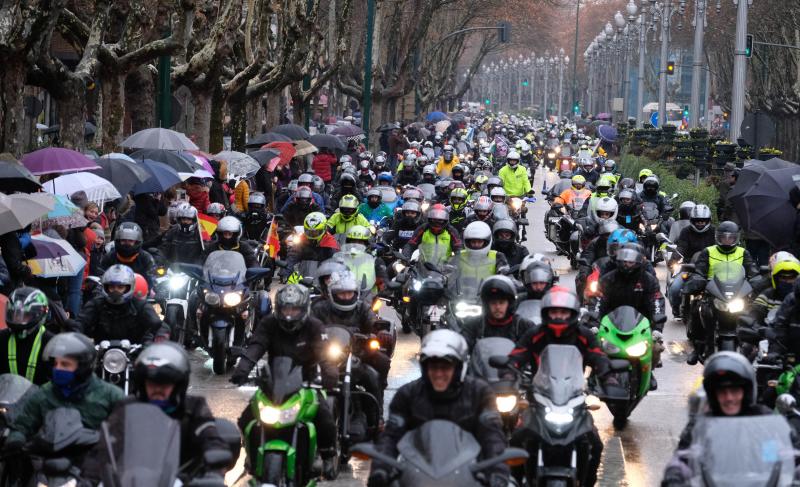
[530, 309]
[115, 362]
[438, 454]
[560, 420]
[517, 212]
[625, 336]
[362, 264]
[173, 289]
[15, 390]
[649, 227]
[228, 308]
[57, 450]
[423, 296]
[724, 300]
[508, 400]
[281, 441]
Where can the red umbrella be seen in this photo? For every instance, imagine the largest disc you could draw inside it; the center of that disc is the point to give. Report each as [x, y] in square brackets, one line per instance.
[286, 151]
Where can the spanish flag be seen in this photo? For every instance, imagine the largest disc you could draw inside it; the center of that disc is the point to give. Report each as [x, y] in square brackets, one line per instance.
[208, 224]
[273, 242]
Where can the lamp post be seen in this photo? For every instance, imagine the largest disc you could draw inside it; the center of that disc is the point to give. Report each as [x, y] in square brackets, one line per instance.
[739, 71]
[562, 60]
[641, 23]
[663, 11]
[532, 63]
[608, 30]
[697, 61]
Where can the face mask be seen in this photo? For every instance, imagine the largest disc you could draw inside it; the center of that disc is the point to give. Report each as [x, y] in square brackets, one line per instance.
[373, 204]
[782, 289]
[65, 381]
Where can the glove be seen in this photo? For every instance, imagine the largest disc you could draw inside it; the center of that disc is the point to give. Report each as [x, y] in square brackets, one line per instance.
[13, 444]
[378, 478]
[240, 377]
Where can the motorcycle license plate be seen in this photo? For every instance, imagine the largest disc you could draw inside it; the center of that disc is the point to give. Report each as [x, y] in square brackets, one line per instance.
[435, 313]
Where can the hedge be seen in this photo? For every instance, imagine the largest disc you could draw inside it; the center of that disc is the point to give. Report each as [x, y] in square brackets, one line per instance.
[705, 193]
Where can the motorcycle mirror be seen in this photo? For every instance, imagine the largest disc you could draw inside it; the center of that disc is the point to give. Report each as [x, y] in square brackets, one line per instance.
[499, 361]
[661, 237]
[785, 404]
[307, 281]
[764, 269]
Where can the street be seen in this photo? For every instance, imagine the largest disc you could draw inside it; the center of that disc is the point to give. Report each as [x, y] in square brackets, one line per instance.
[634, 456]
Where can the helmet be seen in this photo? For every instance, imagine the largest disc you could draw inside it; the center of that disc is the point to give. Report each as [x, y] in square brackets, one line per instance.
[627, 183]
[325, 270]
[444, 345]
[216, 210]
[498, 195]
[437, 217]
[190, 213]
[140, 289]
[604, 184]
[727, 236]
[257, 199]
[291, 307]
[305, 179]
[345, 159]
[410, 162]
[538, 272]
[512, 158]
[606, 227]
[783, 263]
[385, 177]
[229, 224]
[483, 207]
[610, 165]
[685, 210]
[128, 232]
[374, 197]
[458, 198]
[411, 209]
[478, 231]
[366, 155]
[629, 258]
[358, 234]
[26, 311]
[617, 239]
[565, 174]
[644, 174]
[626, 196]
[560, 298]
[499, 287]
[347, 179]
[650, 186]
[364, 165]
[493, 182]
[172, 212]
[76, 346]
[700, 218]
[728, 369]
[605, 209]
[578, 181]
[348, 205]
[430, 170]
[314, 225]
[163, 363]
[319, 184]
[304, 196]
[504, 225]
[343, 282]
[118, 275]
[460, 169]
[413, 194]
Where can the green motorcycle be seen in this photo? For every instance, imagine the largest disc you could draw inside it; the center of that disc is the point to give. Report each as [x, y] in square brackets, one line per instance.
[281, 439]
[625, 336]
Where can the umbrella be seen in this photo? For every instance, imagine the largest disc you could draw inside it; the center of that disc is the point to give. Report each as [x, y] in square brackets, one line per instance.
[747, 177]
[303, 148]
[16, 177]
[57, 160]
[286, 150]
[293, 131]
[199, 174]
[347, 131]
[596, 123]
[265, 156]
[387, 127]
[770, 214]
[17, 211]
[159, 138]
[97, 189]
[88, 129]
[327, 141]
[774, 163]
[266, 138]
[54, 258]
[607, 133]
[117, 155]
[64, 213]
[180, 161]
[239, 164]
[123, 174]
[436, 117]
[442, 126]
[162, 178]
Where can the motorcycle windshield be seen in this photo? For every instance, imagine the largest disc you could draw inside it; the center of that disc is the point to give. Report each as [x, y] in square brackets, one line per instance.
[286, 378]
[649, 211]
[763, 456]
[14, 389]
[63, 428]
[338, 334]
[530, 309]
[728, 276]
[224, 268]
[500, 212]
[484, 349]
[360, 263]
[438, 448]
[428, 191]
[150, 448]
[625, 318]
[388, 194]
[560, 374]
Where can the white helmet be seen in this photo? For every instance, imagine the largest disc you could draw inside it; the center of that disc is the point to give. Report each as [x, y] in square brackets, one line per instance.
[478, 231]
[444, 345]
[497, 192]
[429, 169]
[513, 156]
[605, 204]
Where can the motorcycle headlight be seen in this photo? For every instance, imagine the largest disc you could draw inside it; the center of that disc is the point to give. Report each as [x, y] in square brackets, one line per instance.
[466, 310]
[161, 271]
[653, 226]
[424, 206]
[273, 415]
[398, 267]
[232, 299]
[736, 305]
[417, 285]
[506, 404]
[558, 418]
[335, 351]
[637, 350]
[115, 361]
[593, 287]
[641, 227]
[551, 155]
[516, 203]
[212, 298]
[178, 281]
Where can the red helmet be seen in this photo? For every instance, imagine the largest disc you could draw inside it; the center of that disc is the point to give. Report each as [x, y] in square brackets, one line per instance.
[141, 289]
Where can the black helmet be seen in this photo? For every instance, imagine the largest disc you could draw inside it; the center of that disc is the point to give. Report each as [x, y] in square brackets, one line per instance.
[728, 369]
[560, 298]
[294, 297]
[650, 186]
[499, 287]
[629, 258]
[26, 311]
[727, 236]
[628, 183]
[76, 346]
[163, 363]
[128, 232]
[685, 210]
[504, 225]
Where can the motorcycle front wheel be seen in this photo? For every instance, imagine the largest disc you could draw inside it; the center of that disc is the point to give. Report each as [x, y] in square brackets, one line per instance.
[274, 470]
[219, 350]
[177, 323]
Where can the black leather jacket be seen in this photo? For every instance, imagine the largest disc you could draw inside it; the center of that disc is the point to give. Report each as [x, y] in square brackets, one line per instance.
[180, 246]
[135, 320]
[478, 327]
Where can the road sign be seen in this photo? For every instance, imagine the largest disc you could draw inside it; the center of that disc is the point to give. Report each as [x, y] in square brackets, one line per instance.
[654, 119]
[758, 129]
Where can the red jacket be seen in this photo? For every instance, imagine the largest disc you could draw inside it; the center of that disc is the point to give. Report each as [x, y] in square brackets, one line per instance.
[323, 165]
[198, 198]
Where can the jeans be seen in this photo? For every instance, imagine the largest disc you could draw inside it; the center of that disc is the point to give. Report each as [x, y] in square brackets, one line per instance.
[674, 294]
[74, 296]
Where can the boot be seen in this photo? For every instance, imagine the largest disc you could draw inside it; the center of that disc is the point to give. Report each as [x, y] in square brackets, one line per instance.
[329, 467]
[696, 354]
[653, 382]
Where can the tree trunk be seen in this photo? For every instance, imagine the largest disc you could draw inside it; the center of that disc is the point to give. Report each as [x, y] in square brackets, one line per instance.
[255, 114]
[297, 102]
[786, 131]
[238, 108]
[140, 99]
[71, 114]
[216, 122]
[12, 80]
[273, 111]
[113, 110]
[202, 119]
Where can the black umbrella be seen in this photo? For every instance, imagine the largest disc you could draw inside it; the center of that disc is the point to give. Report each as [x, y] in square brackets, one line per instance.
[347, 131]
[775, 163]
[88, 129]
[749, 174]
[122, 173]
[325, 141]
[265, 155]
[16, 177]
[769, 212]
[175, 160]
[264, 139]
[293, 131]
[387, 127]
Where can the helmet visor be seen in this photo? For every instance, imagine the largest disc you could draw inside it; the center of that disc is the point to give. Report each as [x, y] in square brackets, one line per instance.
[727, 238]
[314, 233]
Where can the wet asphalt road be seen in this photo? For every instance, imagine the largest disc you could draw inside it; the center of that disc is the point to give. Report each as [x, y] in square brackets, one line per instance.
[634, 456]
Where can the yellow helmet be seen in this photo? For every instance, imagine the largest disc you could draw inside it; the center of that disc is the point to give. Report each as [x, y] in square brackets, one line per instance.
[645, 173]
[578, 179]
[783, 262]
[314, 225]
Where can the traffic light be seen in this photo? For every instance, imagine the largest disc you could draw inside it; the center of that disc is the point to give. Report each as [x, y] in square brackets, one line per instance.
[686, 112]
[670, 68]
[748, 46]
[488, 101]
[504, 32]
[525, 82]
[576, 108]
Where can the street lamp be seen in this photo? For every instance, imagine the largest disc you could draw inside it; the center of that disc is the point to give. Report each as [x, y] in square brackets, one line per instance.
[562, 60]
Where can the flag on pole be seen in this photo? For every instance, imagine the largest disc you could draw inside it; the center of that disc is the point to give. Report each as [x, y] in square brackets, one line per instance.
[273, 242]
[208, 224]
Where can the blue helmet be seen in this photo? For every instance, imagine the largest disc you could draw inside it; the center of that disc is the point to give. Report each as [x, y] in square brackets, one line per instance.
[617, 239]
[385, 177]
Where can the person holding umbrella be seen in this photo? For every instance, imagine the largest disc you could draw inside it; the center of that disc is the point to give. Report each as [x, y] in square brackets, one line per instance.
[16, 248]
[324, 164]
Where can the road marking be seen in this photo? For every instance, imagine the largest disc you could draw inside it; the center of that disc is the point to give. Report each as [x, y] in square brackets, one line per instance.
[612, 467]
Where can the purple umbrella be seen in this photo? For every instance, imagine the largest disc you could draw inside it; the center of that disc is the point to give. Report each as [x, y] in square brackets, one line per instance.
[57, 160]
[48, 249]
[347, 131]
[607, 133]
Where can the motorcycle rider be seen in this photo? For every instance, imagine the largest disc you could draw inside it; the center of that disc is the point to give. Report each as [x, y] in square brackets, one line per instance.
[499, 301]
[216, 211]
[594, 251]
[346, 216]
[459, 172]
[256, 220]
[375, 266]
[374, 210]
[458, 210]
[443, 392]
[347, 185]
[683, 221]
[448, 160]
[429, 174]
[315, 244]
[436, 240]
[115, 315]
[482, 211]
[406, 224]
[629, 209]
[477, 261]
[588, 170]
[650, 194]
[504, 235]
[515, 178]
[691, 240]
[575, 196]
[784, 271]
[407, 173]
[26, 335]
[128, 251]
[643, 175]
[290, 331]
[181, 243]
[564, 183]
[538, 278]
[227, 237]
[295, 211]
